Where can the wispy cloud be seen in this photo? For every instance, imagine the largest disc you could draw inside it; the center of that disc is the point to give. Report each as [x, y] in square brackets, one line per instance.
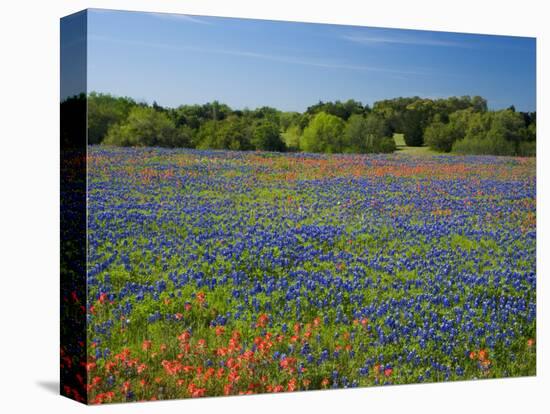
[402, 40]
[310, 62]
[263, 56]
[164, 16]
[179, 17]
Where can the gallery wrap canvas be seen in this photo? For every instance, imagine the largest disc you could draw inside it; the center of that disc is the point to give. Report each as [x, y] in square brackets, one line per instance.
[253, 206]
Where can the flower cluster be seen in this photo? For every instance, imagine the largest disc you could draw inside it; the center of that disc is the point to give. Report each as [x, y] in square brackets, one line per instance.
[225, 273]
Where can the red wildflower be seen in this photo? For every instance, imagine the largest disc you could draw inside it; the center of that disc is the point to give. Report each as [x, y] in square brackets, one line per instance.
[103, 298]
[263, 319]
[288, 363]
[195, 391]
[126, 386]
[233, 376]
[483, 354]
[221, 351]
[141, 368]
[184, 337]
[109, 365]
[201, 297]
[146, 345]
[208, 373]
[292, 385]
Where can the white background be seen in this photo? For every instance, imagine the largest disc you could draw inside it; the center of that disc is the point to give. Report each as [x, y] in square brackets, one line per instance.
[29, 205]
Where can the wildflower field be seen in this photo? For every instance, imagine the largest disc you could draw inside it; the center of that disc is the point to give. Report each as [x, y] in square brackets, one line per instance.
[224, 273]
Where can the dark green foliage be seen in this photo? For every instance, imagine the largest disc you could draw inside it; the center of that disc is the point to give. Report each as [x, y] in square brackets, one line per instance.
[460, 124]
[105, 110]
[392, 111]
[495, 146]
[411, 121]
[498, 133]
[288, 119]
[440, 136]
[386, 145]
[411, 116]
[233, 133]
[342, 110]
[368, 134]
[266, 137]
[195, 115]
[356, 135]
[527, 149]
[147, 127]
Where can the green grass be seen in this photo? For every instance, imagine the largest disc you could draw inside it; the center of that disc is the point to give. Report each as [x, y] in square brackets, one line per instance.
[402, 147]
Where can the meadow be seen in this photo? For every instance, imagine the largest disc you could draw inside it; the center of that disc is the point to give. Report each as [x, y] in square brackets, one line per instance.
[224, 273]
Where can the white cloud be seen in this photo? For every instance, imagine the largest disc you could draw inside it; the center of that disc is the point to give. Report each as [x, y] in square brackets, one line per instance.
[263, 56]
[401, 40]
[179, 17]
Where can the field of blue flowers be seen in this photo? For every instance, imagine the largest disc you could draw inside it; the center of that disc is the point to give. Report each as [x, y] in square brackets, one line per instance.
[222, 273]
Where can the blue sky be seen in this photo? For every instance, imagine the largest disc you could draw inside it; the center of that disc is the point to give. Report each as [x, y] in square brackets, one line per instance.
[179, 59]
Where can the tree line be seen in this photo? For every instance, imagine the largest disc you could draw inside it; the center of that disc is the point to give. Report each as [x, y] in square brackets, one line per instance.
[454, 124]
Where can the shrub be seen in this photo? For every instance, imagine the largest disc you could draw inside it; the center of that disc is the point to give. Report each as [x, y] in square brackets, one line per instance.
[323, 134]
[147, 127]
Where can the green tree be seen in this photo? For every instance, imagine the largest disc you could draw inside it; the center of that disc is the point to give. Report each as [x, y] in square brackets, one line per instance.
[386, 145]
[340, 109]
[356, 136]
[497, 133]
[364, 134]
[288, 119]
[412, 128]
[437, 137]
[292, 137]
[234, 133]
[147, 127]
[266, 137]
[323, 134]
[509, 125]
[105, 110]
